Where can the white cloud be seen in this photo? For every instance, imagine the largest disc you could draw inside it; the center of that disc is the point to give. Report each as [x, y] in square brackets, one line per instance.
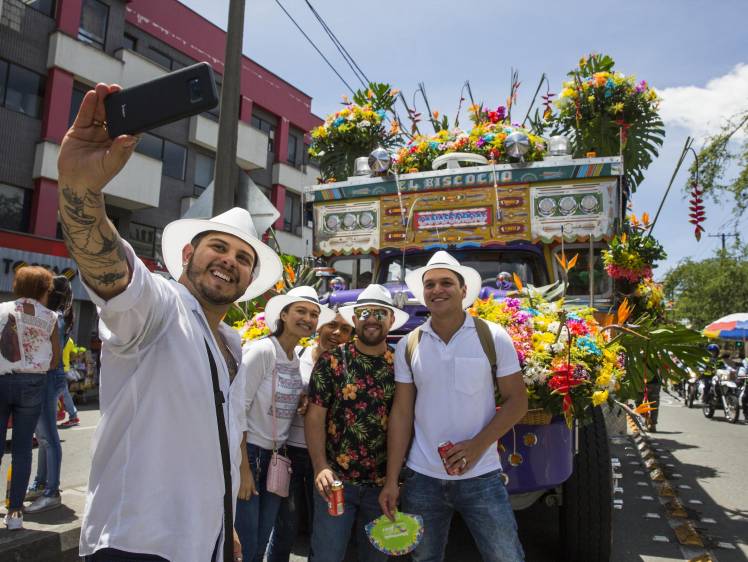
[704, 110]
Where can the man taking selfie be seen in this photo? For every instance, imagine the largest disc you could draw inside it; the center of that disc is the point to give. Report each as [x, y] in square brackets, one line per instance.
[166, 453]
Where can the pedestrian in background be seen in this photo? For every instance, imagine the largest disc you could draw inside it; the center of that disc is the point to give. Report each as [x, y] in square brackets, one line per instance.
[330, 336]
[273, 391]
[30, 346]
[45, 490]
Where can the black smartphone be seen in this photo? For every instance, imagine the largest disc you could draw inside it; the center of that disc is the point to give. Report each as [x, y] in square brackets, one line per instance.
[182, 93]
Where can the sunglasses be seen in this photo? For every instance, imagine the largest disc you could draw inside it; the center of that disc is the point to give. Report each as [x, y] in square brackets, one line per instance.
[379, 314]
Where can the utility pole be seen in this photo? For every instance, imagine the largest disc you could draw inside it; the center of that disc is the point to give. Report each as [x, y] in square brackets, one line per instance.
[724, 236]
[227, 171]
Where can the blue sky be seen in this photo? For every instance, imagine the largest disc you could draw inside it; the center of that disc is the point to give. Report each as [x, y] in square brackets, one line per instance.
[694, 52]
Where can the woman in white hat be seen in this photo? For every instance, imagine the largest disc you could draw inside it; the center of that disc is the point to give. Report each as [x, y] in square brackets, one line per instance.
[274, 386]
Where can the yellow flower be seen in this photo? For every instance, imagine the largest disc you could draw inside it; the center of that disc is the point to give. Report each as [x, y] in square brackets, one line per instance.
[343, 461]
[349, 392]
[617, 107]
[590, 99]
[567, 93]
[599, 397]
[603, 380]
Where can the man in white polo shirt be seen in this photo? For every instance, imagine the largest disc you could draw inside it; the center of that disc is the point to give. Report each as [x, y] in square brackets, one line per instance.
[166, 454]
[445, 390]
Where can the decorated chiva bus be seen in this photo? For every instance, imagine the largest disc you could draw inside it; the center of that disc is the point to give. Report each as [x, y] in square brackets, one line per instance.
[539, 210]
[516, 219]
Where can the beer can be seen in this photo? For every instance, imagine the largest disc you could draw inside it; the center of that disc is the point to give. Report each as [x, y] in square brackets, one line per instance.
[336, 504]
[443, 449]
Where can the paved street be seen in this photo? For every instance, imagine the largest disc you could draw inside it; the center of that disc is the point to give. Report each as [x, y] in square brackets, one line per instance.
[704, 458]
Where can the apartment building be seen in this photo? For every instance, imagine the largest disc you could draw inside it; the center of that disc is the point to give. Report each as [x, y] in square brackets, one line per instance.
[53, 51]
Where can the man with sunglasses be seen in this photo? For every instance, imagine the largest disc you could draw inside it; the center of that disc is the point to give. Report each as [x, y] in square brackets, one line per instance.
[350, 396]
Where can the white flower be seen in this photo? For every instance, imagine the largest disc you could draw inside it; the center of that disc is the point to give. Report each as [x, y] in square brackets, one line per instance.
[363, 124]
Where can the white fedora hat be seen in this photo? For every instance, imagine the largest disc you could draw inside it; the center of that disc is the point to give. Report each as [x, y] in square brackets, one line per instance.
[237, 222]
[375, 295]
[443, 260]
[304, 293]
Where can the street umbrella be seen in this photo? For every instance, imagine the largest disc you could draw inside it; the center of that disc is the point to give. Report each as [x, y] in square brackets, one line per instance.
[730, 327]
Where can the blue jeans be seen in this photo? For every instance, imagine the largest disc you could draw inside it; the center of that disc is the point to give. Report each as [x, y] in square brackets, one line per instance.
[331, 533]
[255, 517]
[67, 400]
[21, 396]
[301, 491]
[50, 450]
[483, 503]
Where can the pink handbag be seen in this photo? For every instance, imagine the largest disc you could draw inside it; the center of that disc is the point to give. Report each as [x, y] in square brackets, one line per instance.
[279, 469]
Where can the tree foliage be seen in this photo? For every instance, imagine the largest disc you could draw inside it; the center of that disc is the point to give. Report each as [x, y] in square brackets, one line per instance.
[718, 157]
[707, 290]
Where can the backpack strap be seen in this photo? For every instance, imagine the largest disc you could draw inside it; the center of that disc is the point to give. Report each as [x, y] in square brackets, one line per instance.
[414, 338]
[486, 342]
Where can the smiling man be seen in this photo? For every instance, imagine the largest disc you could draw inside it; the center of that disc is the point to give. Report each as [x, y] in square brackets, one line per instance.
[166, 455]
[350, 395]
[446, 362]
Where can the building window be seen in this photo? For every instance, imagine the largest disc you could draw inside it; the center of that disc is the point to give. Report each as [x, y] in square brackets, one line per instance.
[266, 127]
[175, 156]
[293, 146]
[76, 99]
[172, 155]
[46, 7]
[150, 145]
[129, 42]
[21, 90]
[94, 19]
[15, 203]
[292, 213]
[144, 239]
[159, 58]
[203, 172]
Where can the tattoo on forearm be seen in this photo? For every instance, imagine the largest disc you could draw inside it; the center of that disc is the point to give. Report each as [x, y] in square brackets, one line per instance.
[92, 240]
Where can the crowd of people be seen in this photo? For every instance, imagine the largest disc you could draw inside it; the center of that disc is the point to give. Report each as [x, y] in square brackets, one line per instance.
[207, 449]
[41, 362]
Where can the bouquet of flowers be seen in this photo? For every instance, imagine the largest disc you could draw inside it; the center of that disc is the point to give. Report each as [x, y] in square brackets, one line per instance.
[356, 130]
[567, 361]
[252, 329]
[607, 112]
[486, 138]
[632, 254]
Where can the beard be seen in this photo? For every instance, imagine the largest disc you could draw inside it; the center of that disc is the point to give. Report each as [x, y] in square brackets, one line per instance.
[371, 340]
[207, 293]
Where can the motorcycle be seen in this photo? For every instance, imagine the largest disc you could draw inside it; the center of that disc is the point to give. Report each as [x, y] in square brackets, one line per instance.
[742, 381]
[690, 387]
[722, 392]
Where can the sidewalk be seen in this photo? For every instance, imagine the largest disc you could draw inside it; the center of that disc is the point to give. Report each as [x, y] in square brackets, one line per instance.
[53, 536]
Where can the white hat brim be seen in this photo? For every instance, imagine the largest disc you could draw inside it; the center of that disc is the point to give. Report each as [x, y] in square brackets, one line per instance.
[177, 234]
[401, 317]
[473, 281]
[275, 306]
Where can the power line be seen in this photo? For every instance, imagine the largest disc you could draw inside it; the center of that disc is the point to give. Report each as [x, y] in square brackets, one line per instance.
[315, 46]
[341, 49]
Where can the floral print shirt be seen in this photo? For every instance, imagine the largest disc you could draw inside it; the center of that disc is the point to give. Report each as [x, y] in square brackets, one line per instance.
[357, 390]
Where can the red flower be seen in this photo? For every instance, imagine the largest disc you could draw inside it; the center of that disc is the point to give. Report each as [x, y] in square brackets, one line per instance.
[562, 381]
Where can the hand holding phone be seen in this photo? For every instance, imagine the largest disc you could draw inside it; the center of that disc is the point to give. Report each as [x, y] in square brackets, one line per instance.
[88, 157]
[179, 94]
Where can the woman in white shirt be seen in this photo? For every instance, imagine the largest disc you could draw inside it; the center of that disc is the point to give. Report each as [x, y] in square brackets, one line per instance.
[273, 388]
[29, 347]
[330, 335]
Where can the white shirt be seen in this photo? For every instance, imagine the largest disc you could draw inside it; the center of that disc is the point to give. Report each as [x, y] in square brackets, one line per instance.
[261, 358]
[306, 364]
[156, 484]
[30, 344]
[455, 393]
